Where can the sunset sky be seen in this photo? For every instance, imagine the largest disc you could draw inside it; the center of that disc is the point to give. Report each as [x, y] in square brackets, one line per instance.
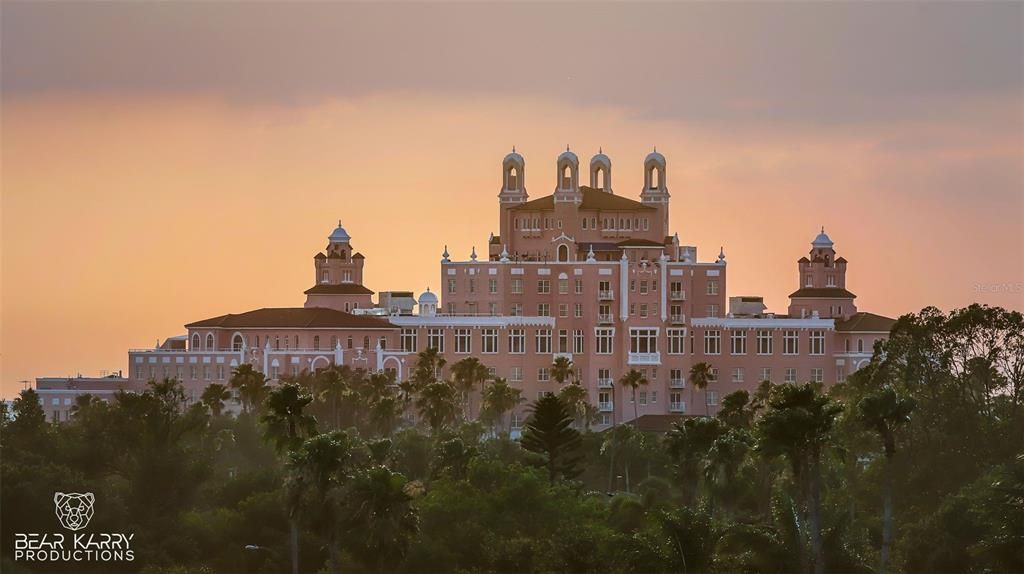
[164, 163]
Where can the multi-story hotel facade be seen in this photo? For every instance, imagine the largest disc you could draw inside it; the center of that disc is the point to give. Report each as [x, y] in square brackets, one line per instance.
[582, 273]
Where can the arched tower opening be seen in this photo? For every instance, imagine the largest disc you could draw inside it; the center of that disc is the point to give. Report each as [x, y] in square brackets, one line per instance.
[563, 253]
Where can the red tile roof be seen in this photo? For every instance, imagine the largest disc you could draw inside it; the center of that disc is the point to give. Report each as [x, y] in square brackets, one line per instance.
[866, 322]
[639, 243]
[593, 199]
[339, 289]
[823, 293]
[294, 317]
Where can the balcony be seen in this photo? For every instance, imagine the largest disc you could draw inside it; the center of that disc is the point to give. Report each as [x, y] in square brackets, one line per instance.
[605, 383]
[644, 359]
[605, 319]
[679, 407]
[677, 295]
[605, 407]
[677, 383]
[606, 295]
[677, 319]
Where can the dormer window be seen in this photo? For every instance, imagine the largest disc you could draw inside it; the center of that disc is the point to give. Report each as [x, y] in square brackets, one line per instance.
[831, 281]
[325, 277]
[809, 281]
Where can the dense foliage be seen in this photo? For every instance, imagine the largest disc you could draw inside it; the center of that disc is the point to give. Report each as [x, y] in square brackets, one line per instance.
[916, 464]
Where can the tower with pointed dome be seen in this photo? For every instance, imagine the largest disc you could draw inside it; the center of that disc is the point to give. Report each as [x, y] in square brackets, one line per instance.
[822, 283]
[339, 276]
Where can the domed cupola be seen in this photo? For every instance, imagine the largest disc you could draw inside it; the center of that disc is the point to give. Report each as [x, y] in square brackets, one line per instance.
[427, 303]
[339, 235]
[822, 241]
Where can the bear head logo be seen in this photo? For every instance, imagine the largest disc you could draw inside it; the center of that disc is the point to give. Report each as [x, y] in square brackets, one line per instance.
[74, 510]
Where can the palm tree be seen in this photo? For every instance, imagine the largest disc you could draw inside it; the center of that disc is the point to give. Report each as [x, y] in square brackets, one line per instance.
[499, 398]
[798, 425]
[466, 374]
[617, 445]
[688, 442]
[575, 398]
[320, 468]
[562, 369]
[286, 426]
[736, 410]
[428, 363]
[214, 397]
[700, 375]
[83, 404]
[549, 432]
[379, 521]
[250, 384]
[884, 411]
[332, 384]
[437, 403]
[634, 379]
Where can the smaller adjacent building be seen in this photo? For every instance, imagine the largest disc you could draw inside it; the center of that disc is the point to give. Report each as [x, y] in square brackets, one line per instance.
[57, 395]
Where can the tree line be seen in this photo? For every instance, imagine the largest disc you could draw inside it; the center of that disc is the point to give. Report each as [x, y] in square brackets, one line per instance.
[915, 464]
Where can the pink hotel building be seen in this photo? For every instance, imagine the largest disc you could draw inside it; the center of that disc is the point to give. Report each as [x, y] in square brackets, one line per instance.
[582, 273]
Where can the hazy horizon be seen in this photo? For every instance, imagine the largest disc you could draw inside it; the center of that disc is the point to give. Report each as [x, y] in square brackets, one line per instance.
[164, 163]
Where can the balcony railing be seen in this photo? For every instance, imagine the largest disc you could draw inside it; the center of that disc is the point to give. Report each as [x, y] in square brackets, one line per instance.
[605, 407]
[677, 383]
[677, 295]
[605, 383]
[677, 407]
[605, 318]
[607, 295]
[677, 319]
[644, 359]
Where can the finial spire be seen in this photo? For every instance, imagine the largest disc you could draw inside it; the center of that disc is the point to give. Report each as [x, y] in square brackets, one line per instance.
[823, 229]
[600, 149]
[513, 148]
[566, 147]
[655, 149]
[339, 223]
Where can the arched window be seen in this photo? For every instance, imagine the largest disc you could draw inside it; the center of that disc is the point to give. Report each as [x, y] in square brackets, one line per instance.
[860, 345]
[563, 252]
[236, 342]
[847, 345]
[366, 342]
[655, 178]
[602, 178]
[567, 176]
[513, 178]
[316, 342]
[209, 342]
[334, 341]
[195, 341]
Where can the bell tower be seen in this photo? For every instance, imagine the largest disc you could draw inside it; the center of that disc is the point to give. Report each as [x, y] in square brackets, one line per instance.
[655, 192]
[513, 193]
